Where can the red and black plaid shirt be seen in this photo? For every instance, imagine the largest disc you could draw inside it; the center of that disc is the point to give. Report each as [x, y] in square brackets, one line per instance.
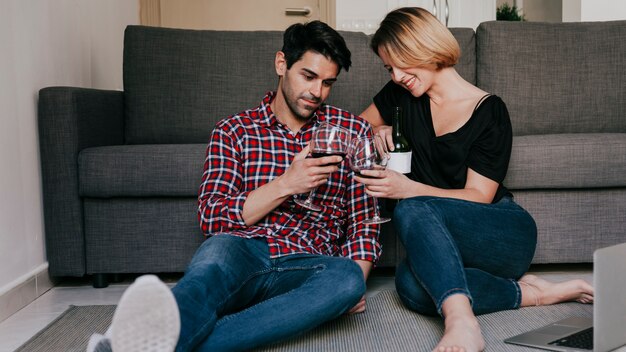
[252, 148]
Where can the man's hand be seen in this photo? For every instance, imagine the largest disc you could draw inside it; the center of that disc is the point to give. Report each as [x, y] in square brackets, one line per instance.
[359, 307]
[302, 176]
[305, 174]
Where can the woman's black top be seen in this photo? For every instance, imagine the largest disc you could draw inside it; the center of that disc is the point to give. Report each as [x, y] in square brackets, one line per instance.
[482, 144]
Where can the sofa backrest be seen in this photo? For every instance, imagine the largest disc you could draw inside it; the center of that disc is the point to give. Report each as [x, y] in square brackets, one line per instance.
[174, 80]
[179, 83]
[556, 77]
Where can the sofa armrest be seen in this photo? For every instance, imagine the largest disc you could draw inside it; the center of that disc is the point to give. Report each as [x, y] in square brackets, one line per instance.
[71, 119]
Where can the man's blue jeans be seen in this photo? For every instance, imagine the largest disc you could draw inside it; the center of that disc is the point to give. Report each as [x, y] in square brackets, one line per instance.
[234, 297]
[460, 247]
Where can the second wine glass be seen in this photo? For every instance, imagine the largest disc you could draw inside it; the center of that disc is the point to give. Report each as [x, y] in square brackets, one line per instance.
[327, 140]
[369, 153]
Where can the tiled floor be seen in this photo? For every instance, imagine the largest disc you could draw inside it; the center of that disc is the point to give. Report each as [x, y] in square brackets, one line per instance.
[17, 329]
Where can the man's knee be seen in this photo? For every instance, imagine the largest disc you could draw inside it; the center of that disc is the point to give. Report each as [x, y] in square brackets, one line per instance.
[225, 254]
[214, 244]
[348, 281]
[354, 280]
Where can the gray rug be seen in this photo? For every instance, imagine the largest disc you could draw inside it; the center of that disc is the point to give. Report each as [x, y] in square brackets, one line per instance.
[385, 326]
[71, 331]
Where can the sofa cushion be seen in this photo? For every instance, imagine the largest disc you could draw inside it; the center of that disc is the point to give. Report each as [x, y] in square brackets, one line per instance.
[556, 77]
[562, 161]
[141, 235]
[571, 224]
[178, 98]
[141, 170]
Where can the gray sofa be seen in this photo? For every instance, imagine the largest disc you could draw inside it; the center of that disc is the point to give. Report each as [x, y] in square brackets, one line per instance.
[121, 169]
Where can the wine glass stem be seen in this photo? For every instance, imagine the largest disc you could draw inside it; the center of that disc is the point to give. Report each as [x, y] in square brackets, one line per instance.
[309, 199]
[376, 214]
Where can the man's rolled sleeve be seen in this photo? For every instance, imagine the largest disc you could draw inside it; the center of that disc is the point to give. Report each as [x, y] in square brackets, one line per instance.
[363, 245]
[220, 200]
[219, 213]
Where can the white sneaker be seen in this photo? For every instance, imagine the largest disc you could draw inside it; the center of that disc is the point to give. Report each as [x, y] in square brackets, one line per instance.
[146, 318]
[99, 343]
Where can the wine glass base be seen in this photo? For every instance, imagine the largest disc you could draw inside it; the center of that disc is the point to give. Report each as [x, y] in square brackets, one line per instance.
[308, 205]
[376, 220]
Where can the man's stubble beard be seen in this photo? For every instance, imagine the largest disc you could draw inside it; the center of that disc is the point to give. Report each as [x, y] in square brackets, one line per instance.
[293, 104]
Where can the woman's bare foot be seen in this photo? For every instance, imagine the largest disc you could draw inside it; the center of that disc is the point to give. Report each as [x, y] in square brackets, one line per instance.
[537, 291]
[462, 331]
[462, 334]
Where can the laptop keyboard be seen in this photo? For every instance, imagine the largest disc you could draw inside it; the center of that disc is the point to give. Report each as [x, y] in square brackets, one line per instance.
[582, 339]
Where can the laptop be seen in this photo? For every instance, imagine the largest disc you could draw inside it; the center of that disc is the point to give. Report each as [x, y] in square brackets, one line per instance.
[607, 329]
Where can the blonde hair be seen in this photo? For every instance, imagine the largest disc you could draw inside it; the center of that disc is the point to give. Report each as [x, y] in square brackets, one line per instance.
[413, 37]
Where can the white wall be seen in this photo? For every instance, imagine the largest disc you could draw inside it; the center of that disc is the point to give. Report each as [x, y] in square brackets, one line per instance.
[45, 43]
[602, 10]
[366, 15]
[360, 15]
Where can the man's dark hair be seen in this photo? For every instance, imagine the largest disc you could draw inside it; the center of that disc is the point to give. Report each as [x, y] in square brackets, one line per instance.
[316, 36]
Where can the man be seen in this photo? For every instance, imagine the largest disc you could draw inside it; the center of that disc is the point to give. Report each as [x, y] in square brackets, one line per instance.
[269, 269]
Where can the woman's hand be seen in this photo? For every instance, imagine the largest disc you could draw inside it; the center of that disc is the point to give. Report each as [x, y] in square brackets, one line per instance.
[372, 115]
[384, 132]
[388, 184]
[394, 185]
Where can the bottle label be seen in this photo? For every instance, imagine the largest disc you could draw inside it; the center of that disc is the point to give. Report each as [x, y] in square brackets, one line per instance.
[400, 162]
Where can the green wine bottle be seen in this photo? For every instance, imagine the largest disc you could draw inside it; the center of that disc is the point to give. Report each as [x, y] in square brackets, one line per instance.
[401, 155]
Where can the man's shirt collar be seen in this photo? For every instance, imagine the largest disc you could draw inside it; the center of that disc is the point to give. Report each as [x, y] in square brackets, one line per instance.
[266, 117]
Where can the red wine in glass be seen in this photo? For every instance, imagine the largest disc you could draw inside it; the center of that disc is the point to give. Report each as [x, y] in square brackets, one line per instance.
[318, 154]
[327, 140]
[369, 153]
[358, 171]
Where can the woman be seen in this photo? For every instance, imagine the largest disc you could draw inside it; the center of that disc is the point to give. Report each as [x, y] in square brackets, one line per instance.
[467, 242]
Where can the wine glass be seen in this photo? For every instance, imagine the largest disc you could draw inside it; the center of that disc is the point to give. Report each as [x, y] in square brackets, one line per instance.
[369, 153]
[327, 140]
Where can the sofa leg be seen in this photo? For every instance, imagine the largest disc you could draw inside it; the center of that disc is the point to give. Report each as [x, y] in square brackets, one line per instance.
[100, 280]
[115, 278]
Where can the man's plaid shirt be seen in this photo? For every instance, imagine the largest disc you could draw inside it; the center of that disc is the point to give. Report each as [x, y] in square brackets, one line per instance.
[252, 148]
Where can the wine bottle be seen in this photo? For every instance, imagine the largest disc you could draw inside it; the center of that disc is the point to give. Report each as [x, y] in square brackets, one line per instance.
[401, 154]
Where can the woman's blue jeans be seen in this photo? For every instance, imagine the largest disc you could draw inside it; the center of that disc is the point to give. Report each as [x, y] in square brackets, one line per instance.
[460, 247]
[234, 297]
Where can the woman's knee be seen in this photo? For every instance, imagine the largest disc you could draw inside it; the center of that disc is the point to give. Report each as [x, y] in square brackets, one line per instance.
[411, 292]
[407, 208]
[420, 204]
[411, 214]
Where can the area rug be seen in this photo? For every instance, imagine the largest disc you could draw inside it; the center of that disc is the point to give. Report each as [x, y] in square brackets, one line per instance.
[71, 330]
[385, 326]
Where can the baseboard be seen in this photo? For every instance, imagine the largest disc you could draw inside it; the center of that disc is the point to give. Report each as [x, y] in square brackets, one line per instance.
[24, 290]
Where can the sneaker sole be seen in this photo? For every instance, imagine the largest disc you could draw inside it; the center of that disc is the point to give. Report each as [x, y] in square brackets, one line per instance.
[146, 318]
